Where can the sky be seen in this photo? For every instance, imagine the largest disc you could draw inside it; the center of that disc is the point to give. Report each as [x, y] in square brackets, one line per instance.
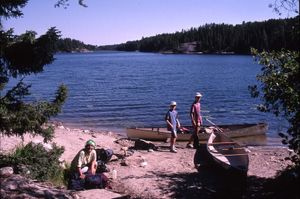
[106, 22]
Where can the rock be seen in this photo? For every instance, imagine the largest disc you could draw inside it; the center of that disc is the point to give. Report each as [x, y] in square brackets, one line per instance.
[144, 164]
[17, 186]
[61, 127]
[144, 145]
[113, 158]
[6, 171]
[97, 193]
[124, 148]
[124, 162]
[47, 146]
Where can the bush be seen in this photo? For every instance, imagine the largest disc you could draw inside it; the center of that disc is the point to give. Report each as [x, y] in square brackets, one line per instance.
[36, 162]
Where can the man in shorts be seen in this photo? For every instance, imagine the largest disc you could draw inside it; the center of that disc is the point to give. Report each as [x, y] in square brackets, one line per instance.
[196, 121]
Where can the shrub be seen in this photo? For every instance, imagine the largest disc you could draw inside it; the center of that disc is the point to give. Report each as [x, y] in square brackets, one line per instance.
[37, 162]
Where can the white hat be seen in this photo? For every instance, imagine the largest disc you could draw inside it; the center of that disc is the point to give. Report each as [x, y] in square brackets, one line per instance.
[173, 103]
[198, 94]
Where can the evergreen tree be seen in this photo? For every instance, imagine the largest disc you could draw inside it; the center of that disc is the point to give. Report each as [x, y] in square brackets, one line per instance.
[21, 56]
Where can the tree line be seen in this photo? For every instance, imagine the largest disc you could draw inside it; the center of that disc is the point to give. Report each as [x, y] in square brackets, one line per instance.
[73, 45]
[273, 34]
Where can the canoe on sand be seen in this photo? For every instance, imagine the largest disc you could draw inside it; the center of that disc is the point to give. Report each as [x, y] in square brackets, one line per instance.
[227, 153]
[232, 131]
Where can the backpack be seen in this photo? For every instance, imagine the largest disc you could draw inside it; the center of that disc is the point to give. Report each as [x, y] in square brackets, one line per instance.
[98, 180]
[104, 155]
[76, 184]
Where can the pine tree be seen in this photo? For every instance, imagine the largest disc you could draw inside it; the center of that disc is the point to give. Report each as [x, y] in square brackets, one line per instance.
[20, 56]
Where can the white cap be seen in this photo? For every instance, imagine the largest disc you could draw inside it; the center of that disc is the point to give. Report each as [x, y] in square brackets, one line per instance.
[198, 94]
[173, 103]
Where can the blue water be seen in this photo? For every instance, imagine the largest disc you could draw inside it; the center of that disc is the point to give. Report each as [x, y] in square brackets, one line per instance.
[115, 90]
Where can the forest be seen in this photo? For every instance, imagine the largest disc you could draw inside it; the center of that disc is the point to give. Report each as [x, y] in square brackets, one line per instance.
[273, 34]
[73, 45]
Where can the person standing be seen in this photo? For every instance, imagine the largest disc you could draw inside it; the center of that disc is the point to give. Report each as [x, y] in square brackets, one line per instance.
[196, 119]
[172, 125]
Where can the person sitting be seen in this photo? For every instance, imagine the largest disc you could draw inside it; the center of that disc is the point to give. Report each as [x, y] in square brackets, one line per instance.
[85, 162]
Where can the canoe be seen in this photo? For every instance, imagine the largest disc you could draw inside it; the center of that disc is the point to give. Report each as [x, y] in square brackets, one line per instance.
[232, 131]
[227, 153]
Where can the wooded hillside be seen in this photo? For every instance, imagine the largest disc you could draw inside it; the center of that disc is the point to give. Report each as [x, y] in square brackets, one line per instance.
[273, 34]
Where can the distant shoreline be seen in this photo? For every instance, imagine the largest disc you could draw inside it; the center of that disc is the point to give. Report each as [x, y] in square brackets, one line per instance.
[158, 52]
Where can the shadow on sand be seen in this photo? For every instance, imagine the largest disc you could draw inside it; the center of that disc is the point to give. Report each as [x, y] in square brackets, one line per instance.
[212, 181]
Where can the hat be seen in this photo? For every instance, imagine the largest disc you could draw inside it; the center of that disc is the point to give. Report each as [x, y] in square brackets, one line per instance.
[173, 103]
[90, 142]
[198, 94]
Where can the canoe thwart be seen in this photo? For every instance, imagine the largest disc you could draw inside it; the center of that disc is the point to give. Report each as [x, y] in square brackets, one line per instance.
[221, 143]
[237, 154]
[229, 149]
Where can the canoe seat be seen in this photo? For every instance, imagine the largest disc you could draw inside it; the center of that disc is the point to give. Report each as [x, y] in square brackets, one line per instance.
[157, 129]
[221, 143]
[230, 149]
[238, 154]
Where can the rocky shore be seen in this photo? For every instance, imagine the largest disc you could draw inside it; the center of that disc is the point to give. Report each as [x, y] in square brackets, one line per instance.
[147, 173]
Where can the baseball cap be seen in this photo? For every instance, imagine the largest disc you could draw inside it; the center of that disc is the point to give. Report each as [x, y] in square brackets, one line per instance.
[198, 94]
[173, 103]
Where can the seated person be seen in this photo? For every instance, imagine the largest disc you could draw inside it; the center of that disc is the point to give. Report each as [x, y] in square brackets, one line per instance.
[85, 161]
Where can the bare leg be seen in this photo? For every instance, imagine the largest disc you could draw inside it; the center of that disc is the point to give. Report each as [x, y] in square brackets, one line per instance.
[172, 142]
[172, 146]
[196, 138]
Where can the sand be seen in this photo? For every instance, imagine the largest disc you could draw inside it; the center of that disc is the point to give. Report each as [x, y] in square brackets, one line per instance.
[161, 174]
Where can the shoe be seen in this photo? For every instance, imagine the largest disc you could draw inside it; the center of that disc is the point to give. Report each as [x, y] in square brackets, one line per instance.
[173, 150]
[189, 146]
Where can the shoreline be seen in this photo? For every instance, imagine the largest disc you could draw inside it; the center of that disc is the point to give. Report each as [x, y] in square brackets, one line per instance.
[165, 175]
[267, 140]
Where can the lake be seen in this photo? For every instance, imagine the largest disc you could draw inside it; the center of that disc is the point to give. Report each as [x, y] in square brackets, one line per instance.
[114, 90]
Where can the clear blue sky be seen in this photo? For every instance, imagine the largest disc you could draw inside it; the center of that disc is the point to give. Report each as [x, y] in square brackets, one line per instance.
[117, 21]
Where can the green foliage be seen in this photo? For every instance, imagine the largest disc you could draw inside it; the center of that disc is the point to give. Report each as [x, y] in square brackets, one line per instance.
[65, 4]
[71, 45]
[36, 162]
[217, 38]
[21, 56]
[280, 91]
[11, 8]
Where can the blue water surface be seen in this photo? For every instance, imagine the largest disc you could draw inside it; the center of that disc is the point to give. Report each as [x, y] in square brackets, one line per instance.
[114, 90]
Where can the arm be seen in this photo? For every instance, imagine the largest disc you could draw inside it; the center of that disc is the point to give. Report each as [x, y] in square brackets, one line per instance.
[81, 175]
[169, 123]
[192, 115]
[93, 167]
[79, 164]
[167, 120]
[178, 123]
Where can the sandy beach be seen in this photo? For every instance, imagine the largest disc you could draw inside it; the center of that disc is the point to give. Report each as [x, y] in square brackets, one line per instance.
[159, 174]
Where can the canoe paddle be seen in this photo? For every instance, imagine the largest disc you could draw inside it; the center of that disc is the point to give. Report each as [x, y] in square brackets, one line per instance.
[218, 128]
